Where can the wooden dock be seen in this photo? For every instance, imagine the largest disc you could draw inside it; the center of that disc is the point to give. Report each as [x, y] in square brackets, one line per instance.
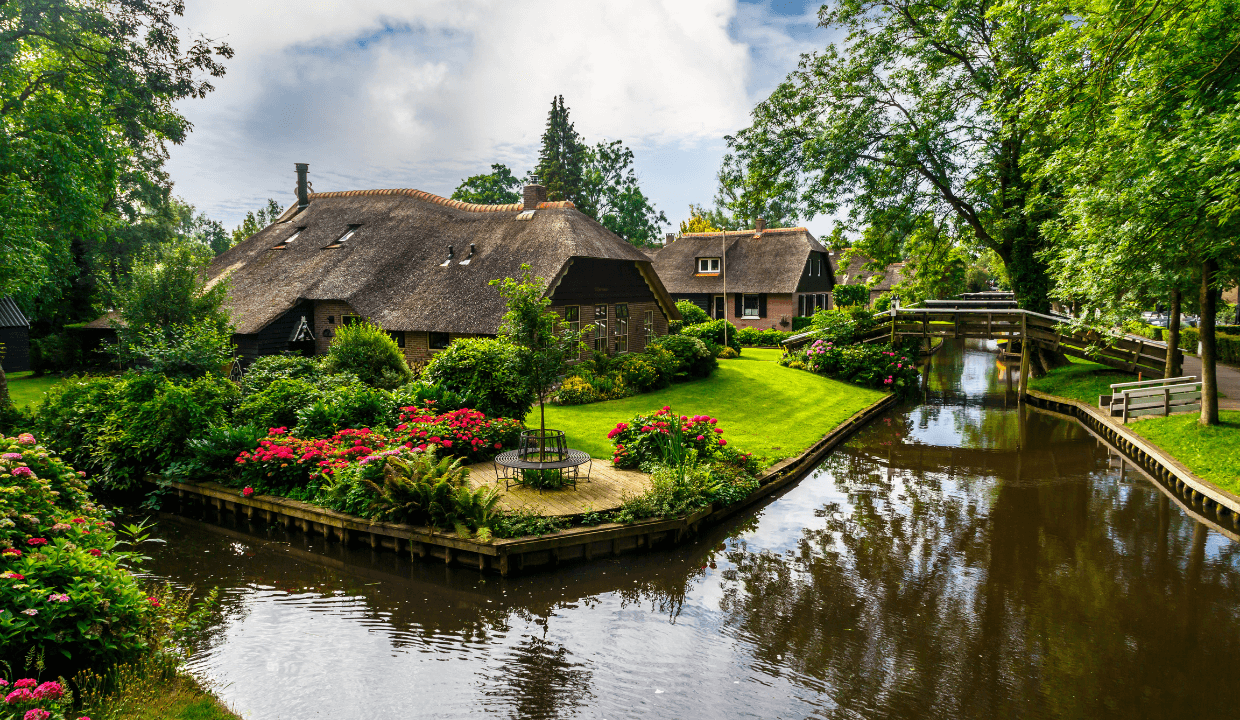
[605, 490]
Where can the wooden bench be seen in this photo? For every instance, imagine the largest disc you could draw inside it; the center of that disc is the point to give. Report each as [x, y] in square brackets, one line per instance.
[1154, 397]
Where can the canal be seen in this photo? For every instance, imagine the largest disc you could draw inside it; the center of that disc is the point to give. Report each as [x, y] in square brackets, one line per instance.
[958, 558]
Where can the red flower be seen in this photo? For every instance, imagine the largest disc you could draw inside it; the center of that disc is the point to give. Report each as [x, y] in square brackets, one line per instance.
[154, 601]
[95, 551]
[247, 492]
[36, 542]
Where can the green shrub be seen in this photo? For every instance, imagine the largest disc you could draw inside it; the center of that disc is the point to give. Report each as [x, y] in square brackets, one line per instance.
[217, 448]
[278, 403]
[352, 406]
[691, 313]
[728, 354]
[849, 295]
[55, 353]
[671, 494]
[127, 426]
[426, 395]
[713, 332]
[882, 303]
[178, 350]
[576, 390]
[748, 336]
[842, 325]
[637, 372]
[693, 358]
[674, 326]
[269, 368]
[800, 324]
[367, 351]
[424, 489]
[485, 372]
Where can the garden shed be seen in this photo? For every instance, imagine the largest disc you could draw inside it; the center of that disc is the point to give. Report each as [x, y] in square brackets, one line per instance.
[763, 279]
[14, 337]
[420, 266]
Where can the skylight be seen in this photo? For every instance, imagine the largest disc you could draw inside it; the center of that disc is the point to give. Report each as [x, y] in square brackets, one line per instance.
[289, 239]
[343, 238]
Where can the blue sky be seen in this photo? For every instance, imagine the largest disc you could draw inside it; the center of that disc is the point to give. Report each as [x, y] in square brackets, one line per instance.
[421, 94]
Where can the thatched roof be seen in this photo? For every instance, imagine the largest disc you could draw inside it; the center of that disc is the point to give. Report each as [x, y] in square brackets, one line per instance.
[391, 269]
[771, 261]
[855, 273]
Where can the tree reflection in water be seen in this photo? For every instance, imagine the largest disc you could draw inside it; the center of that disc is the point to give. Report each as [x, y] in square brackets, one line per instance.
[537, 679]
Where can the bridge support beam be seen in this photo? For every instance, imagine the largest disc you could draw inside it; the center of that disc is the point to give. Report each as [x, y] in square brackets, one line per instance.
[1026, 349]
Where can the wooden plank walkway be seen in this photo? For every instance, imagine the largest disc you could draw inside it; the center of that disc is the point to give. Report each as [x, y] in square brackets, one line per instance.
[604, 491]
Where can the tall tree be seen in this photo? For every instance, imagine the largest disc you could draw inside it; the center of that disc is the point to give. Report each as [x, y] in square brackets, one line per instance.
[499, 187]
[915, 116]
[1145, 98]
[609, 185]
[257, 220]
[562, 160]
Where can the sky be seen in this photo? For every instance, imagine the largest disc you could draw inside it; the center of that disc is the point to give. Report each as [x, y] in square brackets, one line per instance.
[382, 94]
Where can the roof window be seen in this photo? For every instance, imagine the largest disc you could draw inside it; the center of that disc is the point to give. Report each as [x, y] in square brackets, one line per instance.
[708, 265]
[448, 262]
[525, 215]
[343, 238]
[284, 243]
[468, 257]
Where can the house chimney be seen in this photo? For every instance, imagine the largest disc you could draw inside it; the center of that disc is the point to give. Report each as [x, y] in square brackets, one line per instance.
[669, 238]
[759, 225]
[303, 185]
[534, 194]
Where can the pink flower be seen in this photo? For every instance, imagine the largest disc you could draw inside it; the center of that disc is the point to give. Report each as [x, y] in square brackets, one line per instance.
[701, 437]
[49, 690]
[22, 471]
[154, 601]
[26, 683]
[722, 442]
[11, 456]
[95, 551]
[25, 439]
[12, 576]
[78, 521]
[36, 714]
[30, 611]
[719, 430]
[11, 552]
[21, 695]
[57, 598]
[247, 491]
[36, 542]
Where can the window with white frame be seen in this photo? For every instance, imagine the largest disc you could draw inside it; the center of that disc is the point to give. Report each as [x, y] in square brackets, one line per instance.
[622, 327]
[750, 306]
[648, 322]
[708, 265]
[572, 317]
[600, 328]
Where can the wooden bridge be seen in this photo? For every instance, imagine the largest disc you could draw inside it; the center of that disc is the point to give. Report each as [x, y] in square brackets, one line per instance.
[967, 320]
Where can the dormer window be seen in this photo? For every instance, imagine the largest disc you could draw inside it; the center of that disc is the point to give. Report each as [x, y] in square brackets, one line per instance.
[344, 238]
[708, 265]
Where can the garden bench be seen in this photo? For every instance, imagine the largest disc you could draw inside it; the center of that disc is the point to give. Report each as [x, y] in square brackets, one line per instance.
[1154, 397]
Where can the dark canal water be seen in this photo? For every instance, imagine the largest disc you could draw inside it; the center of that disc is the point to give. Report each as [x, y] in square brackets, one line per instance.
[959, 558]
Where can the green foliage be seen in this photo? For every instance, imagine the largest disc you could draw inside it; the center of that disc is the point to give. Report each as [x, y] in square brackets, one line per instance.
[424, 489]
[525, 523]
[350, 406]
[278, 404]
[863, 364]
[253, 222]
[674, 492]
[713, 333]
[55, 353]
[693, 359]
[610, 187]
[427, 395]
[179, 350]
[486, 372]
[367, 351]
[576, 390]
[499, 187]
[849, 295]
[691, 313]
[216, 449]
[842, 325]
[562, 159]
[674, 326]
[750, 336]
[121, 428]
[269, 368]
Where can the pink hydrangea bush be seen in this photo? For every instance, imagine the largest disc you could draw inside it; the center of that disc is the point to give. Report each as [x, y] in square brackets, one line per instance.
[635, 442]
[29, 699]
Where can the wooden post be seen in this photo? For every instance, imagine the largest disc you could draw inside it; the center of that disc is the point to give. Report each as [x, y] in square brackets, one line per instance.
[1166, 401]
[1025, 347]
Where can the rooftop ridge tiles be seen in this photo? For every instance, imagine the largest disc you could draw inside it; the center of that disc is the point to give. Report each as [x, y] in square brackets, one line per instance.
[428, 197]
[748, 231]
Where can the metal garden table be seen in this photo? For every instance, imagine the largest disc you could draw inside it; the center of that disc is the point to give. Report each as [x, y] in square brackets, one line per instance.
[516, 463]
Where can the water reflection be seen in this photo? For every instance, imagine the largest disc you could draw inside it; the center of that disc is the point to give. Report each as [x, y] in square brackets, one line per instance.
[955, 559]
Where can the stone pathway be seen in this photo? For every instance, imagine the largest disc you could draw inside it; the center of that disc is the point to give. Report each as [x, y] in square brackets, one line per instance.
[604, 491]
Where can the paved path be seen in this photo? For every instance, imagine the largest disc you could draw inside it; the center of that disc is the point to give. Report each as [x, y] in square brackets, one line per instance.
[1228, 381]
[605, 490]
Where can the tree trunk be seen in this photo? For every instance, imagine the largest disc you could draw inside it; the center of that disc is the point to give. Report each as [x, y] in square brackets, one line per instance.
[1209, 378]
[5, 400]
[1173, 337]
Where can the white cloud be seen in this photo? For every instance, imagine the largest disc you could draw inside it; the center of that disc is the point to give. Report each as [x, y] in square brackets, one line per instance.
[422, 94]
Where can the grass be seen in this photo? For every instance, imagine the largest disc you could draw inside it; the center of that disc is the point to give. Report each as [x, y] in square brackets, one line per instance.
[1081, 380]
[1212, 453]
[764, 409]
[142, 692]
[25, 389]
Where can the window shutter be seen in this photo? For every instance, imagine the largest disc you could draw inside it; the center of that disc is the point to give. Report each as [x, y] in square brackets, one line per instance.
[740, 306]
[761, 305]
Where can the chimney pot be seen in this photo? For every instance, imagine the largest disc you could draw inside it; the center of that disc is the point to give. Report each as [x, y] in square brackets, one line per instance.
[669, 238]
[534, 194]
[303, 189]
[760, 224]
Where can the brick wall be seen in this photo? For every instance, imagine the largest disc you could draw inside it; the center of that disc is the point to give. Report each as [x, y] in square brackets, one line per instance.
[417, 344]
[637, 327]
[777, 307]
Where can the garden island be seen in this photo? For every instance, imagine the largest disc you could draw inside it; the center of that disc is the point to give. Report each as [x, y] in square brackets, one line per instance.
[969, 450]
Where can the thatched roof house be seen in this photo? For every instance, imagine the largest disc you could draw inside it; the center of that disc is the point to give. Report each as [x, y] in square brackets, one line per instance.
[419, 265]
[854, 272]
[764, 278]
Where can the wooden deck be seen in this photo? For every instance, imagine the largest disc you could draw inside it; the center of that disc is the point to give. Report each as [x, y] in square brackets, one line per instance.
[604, 491]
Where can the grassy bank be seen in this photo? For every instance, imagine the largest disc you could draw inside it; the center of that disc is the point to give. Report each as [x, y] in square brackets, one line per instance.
[25, 389]
[1081, 380]
[1212, 453]
[764, 408]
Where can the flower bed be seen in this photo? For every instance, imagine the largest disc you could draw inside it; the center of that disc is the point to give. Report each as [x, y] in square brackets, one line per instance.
[863, 364]
[637, 441]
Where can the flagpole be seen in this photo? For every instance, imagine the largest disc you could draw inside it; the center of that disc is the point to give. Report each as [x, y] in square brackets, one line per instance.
[723, 259]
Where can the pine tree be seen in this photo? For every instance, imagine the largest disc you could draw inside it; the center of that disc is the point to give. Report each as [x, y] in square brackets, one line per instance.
[562, 158]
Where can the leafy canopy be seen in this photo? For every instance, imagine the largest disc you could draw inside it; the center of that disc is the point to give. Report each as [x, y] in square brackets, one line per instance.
[499, 187]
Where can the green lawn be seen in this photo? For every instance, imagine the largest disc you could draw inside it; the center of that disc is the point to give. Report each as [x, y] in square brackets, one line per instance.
[1082, 380]
[24, 388]
[1212, 453]
[763, 408]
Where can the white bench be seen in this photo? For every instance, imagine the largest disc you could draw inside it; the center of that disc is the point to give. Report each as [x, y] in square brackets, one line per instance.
[1155, 397]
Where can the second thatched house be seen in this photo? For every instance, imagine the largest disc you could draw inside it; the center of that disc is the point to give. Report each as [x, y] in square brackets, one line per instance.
[758, 278]
[419, 266]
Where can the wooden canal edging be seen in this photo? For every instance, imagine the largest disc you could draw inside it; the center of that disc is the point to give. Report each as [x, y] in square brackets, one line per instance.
[510, 555]
[1196, 492]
